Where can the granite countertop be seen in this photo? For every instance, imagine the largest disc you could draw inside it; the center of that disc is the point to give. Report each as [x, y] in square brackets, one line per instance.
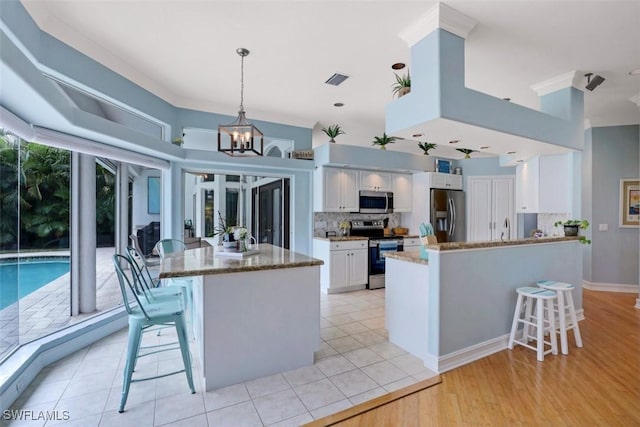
[202, 261]
[410, 256]
[340, 238]
[346, 238]
[449, 246]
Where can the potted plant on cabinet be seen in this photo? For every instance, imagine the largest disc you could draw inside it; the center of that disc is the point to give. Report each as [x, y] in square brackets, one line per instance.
[333, 131]
[383, 140]
[426, 147]
[572, 226]
[467, 152]
[402, 86]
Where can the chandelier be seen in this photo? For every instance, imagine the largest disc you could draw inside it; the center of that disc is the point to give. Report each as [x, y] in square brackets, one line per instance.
[240, 138]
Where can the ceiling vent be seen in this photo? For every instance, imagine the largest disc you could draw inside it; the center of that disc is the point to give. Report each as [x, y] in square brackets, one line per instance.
[336, 79]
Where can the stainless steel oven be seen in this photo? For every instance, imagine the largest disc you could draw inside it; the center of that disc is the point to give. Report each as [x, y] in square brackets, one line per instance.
[378, 247]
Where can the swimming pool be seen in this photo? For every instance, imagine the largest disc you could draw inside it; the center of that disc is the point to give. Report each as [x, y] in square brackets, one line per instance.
[32, 275]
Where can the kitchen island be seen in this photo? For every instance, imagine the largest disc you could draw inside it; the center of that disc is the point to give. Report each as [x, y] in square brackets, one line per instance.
[457, 306]
[253, 316]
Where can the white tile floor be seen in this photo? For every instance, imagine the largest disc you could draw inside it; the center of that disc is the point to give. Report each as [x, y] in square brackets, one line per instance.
[356, 363]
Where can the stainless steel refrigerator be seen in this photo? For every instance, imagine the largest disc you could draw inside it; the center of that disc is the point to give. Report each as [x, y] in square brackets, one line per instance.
[447, 215]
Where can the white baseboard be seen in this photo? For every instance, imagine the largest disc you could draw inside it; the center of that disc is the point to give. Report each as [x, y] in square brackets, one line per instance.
[344, 289]
[611, 287]
[475, 352]
[470, 354]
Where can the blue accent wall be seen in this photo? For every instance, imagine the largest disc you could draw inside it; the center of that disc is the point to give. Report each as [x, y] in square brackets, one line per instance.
[437, 90]
[614, 253]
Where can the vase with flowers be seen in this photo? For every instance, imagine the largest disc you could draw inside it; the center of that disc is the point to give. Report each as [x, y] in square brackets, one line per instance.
[241, 234]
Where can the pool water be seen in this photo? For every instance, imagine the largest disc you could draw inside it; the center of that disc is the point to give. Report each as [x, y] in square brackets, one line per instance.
[32, 275]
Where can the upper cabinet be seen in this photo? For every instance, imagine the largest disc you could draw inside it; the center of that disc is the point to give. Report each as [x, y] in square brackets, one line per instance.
[335, 190]
[445, 181]
[542, 185]
[375, 181]
[402, 192]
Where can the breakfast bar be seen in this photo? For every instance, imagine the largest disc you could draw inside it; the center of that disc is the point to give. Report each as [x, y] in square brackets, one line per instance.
[457, 305]
[255, 315]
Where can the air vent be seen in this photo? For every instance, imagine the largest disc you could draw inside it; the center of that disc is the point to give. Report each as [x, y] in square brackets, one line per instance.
[336, 79]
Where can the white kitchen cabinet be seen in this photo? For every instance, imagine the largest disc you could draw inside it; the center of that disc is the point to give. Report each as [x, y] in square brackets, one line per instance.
[345, 264]
[375, 181]
[445, 181]
[335, 190]
[411, 243]
[491, 209]
[402, 192]
[542, 185]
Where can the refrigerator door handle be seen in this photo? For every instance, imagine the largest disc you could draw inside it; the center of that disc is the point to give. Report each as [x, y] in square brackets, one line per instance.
[452, 224]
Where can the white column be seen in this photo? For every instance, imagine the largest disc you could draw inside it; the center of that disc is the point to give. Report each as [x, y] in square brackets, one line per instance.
[122, 207]
[83, 233]
[171, 223]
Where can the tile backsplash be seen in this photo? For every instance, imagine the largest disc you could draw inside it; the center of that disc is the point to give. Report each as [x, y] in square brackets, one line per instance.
[545, 223]
[330, 221]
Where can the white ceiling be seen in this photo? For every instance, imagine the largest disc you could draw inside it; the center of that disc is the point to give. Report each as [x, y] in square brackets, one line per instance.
[184, 52]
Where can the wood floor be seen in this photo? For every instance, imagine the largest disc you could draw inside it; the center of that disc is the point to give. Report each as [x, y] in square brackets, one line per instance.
[597, 385]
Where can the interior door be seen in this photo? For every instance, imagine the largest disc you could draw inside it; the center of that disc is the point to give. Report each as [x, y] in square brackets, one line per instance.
[503, 209]
[480, 219]
[270, 220]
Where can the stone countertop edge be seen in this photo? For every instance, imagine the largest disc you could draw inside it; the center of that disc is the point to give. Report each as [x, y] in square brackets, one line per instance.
[347, 238]
[340, 238]
[449, 246]
[204, 262]
[410, 256]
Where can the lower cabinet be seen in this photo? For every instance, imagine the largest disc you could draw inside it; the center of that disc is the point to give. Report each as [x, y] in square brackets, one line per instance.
[412, 243]
[345, 264]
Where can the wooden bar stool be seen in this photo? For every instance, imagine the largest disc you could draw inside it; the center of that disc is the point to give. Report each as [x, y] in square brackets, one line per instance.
[542, 299]
[564, 305]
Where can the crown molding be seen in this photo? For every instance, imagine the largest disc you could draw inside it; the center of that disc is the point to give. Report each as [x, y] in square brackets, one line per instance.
[570, 79]
[439, 16]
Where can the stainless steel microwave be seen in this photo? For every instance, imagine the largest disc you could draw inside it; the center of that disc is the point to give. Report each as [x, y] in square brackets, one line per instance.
[376, 202]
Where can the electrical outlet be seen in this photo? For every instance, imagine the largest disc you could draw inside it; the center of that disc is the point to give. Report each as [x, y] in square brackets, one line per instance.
[603, 227]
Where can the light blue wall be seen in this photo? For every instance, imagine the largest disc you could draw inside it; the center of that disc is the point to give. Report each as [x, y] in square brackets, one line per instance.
[615, 155]
[483, 166]
[437, 90]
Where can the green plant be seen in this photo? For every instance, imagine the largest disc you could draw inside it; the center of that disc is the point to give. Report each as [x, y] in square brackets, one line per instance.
[224, 227]
[383, 140]
[401, 83]
[426, 146]
[582, 224]
[467, 152]
[333, 131]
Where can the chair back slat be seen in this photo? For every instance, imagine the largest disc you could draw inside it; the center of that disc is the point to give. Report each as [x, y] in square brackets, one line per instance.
[143, 277]
[169, 246]
[121, 262]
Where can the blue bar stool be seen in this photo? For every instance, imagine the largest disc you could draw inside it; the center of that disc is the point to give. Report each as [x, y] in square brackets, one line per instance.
[142, 317]
[564, 306]
[542, 299]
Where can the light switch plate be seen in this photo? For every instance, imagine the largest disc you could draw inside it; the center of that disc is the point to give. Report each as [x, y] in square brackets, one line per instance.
[603, 227]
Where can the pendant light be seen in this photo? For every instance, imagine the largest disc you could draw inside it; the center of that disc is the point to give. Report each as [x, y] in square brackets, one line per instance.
[240, 138]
